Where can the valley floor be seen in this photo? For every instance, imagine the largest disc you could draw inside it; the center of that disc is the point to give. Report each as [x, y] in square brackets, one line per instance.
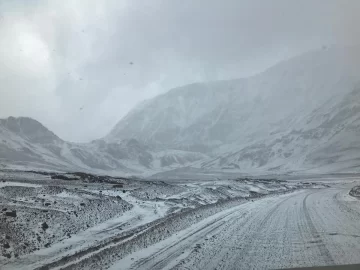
[108, 223]
[308, 228]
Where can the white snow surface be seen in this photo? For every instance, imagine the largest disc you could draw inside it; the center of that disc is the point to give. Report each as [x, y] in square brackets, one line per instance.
[82, 213]
[304, 229]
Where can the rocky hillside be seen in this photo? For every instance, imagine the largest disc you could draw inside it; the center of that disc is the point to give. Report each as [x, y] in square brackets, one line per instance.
[210, 114]
[326, 139]
[24, 142]
[299, 114]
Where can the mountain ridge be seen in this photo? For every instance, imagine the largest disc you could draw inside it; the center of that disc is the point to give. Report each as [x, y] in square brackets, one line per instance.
[269, 122]
[225, 97]
[26, 143]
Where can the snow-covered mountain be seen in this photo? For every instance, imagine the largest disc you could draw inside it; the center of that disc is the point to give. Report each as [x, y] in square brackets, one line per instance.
[326, 139]
[224, 111]
[301, 114]
[25, 142]
[276, 120]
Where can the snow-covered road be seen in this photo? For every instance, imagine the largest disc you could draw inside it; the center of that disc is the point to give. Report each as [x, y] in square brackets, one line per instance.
[305, 228]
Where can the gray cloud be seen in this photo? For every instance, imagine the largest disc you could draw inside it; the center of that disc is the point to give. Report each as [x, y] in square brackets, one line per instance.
[79, 66]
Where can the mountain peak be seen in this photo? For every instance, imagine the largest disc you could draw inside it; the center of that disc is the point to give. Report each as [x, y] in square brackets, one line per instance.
[29, 128]
[218, 112]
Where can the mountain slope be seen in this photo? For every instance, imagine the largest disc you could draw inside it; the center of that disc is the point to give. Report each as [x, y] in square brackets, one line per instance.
[218, 112]
[327, 138]
[26, 142]
[271, 121]
[301, 114]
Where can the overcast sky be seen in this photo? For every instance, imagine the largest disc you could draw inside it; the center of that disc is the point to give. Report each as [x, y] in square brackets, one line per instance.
[78, 66]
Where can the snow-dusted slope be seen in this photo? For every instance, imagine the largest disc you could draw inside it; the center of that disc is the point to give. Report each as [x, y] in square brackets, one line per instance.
[301, 114]
[218, 112]
[276, 120]
[326, 139]
[27, 143]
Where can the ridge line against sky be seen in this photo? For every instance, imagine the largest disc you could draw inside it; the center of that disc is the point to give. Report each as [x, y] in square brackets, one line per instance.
[79, 66]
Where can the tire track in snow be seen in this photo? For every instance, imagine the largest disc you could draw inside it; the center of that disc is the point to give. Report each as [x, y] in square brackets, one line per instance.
[298, 230]
[325, 253]
[185, 242]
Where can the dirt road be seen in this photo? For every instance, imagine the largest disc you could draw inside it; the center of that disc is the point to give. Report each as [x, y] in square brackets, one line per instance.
[306, 228]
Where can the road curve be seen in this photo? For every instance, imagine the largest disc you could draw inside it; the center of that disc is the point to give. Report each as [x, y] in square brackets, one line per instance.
[308, 228]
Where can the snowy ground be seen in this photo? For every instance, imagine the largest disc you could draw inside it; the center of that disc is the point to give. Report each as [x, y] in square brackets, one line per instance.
[79, 221]
[355, 192]
[307, 228]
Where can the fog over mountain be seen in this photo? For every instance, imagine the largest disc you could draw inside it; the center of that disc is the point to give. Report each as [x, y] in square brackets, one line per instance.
[300, 115]
[80, 66]
[191, 134]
